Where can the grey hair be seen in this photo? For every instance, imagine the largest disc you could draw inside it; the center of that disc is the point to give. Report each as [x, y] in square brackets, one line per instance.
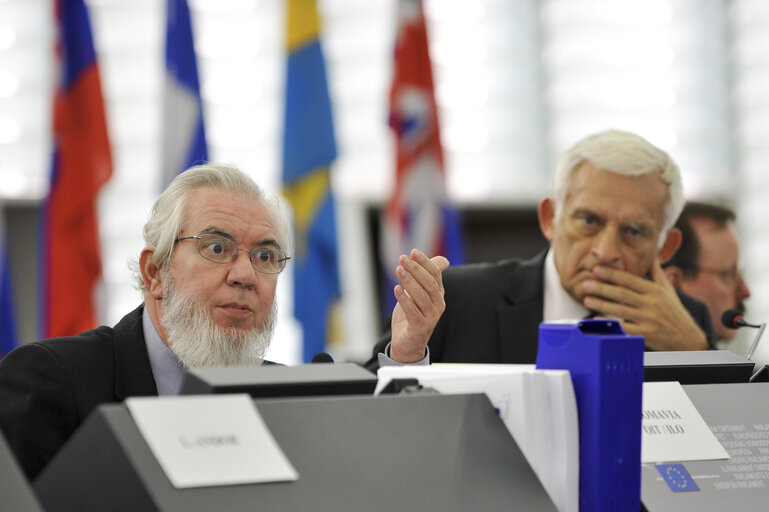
[623, 153]
[167, 219]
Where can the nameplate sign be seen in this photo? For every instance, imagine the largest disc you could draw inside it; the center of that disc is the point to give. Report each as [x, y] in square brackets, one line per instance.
[672, 428]
[202, 441]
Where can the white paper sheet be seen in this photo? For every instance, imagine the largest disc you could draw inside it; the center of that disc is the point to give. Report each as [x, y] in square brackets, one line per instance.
[210, 440]
[672, 428]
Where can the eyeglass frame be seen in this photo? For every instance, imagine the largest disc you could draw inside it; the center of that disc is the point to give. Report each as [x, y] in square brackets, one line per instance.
[282, 257]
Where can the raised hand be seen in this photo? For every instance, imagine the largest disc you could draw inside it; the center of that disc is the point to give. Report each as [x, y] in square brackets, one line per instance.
[420, 304]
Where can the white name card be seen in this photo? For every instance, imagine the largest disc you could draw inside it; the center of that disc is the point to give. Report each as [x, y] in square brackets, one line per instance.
[210, 440]
[672, 428]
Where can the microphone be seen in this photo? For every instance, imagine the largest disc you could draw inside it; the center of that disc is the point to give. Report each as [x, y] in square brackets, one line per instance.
[733, 319]
[322, 357]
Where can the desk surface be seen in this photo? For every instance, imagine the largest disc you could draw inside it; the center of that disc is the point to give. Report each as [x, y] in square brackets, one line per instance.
[739, 416]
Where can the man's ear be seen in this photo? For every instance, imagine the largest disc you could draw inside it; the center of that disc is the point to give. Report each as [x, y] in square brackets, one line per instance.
[546, 215]
[153, 278]
[671, 245]
[675, 275]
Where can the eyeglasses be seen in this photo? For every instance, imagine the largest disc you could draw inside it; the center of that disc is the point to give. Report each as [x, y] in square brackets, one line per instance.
[265, 259]
[731, 276]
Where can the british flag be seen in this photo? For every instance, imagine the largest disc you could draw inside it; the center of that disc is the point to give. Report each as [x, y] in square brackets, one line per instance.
[418, 214]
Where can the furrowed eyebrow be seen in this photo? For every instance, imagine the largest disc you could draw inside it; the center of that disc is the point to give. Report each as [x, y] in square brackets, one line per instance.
[213, 230]
[267, 241]
[643, 227]
[584, 212]
[216, 231]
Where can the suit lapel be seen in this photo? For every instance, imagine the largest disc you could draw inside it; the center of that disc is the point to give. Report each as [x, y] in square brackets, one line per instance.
[520, 316]
[133, 373]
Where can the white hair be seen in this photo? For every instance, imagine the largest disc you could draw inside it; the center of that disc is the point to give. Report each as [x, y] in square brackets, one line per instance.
[167, 215]
[623, 153]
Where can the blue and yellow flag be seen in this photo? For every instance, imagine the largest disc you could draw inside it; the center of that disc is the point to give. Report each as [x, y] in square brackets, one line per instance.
[309, 148]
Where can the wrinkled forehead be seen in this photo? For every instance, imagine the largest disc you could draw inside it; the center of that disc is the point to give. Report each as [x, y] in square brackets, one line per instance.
[229, 211]
[631, 198]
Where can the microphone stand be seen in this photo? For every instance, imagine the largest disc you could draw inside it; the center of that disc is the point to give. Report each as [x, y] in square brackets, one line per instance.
[755, 341]
[762, 375]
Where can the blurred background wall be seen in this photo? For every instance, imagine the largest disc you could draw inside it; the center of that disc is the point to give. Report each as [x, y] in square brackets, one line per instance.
[517, 81]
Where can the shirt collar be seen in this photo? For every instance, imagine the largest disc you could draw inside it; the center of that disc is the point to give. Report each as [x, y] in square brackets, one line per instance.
[559, 305]
[166, 367]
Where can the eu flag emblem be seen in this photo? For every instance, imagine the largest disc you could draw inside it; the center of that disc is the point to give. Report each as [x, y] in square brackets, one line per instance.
[677, 478]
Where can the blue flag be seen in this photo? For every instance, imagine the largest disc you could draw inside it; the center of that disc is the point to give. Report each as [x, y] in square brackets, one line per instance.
[677, 477]
[184, 137]
[8, 339]
[309, 147]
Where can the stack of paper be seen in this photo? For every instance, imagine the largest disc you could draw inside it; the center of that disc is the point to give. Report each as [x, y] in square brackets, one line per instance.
[537, 406]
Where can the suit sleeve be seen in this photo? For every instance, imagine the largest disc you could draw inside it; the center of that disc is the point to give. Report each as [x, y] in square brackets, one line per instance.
[372, 364]
[37, 413]
[706, 323]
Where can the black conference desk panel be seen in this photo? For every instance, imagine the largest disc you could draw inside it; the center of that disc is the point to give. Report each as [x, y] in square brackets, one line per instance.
[388, 453]
[739, 415]
[15, 492]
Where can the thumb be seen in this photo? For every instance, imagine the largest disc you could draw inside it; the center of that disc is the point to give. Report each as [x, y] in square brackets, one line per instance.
[441, 262]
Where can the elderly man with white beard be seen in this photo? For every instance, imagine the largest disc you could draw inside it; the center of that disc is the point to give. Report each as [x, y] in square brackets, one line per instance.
[215, 245]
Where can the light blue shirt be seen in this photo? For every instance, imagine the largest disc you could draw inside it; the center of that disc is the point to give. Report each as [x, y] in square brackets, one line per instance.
[166, 367]
[385, 360]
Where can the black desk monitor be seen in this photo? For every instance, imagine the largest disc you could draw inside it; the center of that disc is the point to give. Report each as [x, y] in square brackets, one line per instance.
[281, 381]
[697, 367]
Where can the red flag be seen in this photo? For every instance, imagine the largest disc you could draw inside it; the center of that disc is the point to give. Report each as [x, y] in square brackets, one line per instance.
[82, 163]
[418, 214]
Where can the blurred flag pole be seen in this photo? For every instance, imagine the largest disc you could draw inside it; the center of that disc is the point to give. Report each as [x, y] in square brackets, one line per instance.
[8, 337]
[309, 148]
[183, 130]
[82, 163]
[418, 214]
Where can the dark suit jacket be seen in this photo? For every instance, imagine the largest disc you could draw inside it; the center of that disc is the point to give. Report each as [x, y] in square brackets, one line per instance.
[493, 312]
[48, 388]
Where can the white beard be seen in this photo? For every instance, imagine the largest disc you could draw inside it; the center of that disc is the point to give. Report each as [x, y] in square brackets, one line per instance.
[197, 341]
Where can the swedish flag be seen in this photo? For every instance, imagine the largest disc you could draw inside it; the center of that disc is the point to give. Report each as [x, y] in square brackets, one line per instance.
[309, 147]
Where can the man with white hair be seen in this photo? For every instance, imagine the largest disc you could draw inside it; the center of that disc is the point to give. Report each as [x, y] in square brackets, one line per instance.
[610, 226]
[215, 245]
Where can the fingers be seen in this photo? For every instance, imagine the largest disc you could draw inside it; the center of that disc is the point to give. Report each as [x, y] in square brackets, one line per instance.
[420, 304]
[658, 274]
[420, 281]
[611, 308]
[621, 278]
[619, 294]
[601, 293]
